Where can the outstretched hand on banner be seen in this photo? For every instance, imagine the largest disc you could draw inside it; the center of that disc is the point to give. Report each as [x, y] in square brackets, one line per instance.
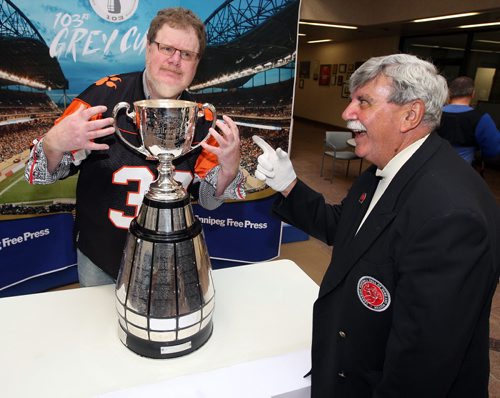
[76, 131]
[274, 167]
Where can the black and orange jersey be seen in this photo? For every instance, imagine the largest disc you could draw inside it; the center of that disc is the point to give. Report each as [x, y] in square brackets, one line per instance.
[112, 182]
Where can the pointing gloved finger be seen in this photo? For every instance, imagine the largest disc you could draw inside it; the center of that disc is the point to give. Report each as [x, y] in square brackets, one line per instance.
[262, 144]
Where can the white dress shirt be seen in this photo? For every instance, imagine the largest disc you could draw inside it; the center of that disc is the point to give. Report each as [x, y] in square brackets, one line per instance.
[389, 172]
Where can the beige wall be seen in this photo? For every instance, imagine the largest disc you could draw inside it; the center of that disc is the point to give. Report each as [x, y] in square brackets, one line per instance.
[325, 103]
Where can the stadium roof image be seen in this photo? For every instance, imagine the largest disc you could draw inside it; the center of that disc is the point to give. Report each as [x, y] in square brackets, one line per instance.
[246, 37]
[25, 55]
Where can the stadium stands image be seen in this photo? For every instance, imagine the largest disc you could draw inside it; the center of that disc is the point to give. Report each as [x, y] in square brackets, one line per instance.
[26, 111]
[247, 73]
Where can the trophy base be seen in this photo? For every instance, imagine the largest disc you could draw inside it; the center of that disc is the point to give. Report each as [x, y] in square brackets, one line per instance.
[163, 350]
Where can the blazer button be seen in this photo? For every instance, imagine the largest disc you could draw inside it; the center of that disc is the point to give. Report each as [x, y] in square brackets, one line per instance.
[342, 334]
[342, 374]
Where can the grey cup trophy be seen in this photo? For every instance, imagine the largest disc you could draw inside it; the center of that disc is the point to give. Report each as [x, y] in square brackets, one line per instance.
[164, 291]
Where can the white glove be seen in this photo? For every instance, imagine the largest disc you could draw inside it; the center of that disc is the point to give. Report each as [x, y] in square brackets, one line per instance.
[274, 167]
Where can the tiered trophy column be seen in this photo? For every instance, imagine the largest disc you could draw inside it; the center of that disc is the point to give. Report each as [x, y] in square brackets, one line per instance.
[164, 293]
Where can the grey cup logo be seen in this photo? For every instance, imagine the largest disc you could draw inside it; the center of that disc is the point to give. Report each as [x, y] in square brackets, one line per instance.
[114, 10]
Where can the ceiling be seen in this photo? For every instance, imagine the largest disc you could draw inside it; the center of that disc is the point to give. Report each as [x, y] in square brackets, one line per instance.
[403, 28]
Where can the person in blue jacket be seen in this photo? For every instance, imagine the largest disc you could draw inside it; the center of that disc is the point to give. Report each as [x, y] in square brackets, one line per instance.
[467, 129]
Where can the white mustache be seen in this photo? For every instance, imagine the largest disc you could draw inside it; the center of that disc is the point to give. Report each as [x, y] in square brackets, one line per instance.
[355, 125]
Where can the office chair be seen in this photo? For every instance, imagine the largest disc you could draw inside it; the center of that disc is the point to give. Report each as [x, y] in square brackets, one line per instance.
[336, 146]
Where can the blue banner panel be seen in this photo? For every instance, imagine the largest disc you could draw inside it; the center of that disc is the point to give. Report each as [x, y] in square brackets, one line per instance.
[241, 231]
[42, 283]
[34, 247]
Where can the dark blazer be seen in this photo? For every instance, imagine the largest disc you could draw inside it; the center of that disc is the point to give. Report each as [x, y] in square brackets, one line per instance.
[403, 309]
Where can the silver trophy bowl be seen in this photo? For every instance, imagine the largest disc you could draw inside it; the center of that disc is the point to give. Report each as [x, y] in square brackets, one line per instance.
[166, 132]
[164, 292]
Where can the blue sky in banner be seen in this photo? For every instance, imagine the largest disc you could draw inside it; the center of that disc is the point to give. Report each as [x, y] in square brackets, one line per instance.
[87, 46]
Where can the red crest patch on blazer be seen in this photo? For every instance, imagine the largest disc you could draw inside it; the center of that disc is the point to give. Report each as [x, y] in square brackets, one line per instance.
[373, 294]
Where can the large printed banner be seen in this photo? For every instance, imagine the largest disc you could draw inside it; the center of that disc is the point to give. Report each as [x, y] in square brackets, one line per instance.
[247, 73]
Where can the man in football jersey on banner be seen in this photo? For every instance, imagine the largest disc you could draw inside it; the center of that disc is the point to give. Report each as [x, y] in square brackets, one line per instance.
[113, 178]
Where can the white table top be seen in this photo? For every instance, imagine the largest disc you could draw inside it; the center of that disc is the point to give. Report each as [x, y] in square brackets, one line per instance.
[65, 343]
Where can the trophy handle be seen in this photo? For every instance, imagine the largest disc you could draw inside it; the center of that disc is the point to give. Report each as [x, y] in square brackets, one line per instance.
[119, 106]
[211, 108]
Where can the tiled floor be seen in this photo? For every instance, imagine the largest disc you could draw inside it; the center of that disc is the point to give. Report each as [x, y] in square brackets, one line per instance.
[313, 256]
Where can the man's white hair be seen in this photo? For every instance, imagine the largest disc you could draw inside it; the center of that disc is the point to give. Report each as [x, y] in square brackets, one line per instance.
[411, 78]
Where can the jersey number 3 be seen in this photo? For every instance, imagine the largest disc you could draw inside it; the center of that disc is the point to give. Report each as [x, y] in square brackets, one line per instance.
[144, 177]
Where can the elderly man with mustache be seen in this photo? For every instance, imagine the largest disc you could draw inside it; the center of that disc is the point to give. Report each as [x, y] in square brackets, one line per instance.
[112, 177]
[403, 308]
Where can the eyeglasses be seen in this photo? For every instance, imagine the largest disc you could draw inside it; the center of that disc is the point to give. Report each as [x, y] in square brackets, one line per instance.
[169, 51]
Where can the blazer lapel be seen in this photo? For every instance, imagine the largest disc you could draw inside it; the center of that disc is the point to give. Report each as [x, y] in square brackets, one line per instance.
[351, 247]
[354, 209]
[345, 257]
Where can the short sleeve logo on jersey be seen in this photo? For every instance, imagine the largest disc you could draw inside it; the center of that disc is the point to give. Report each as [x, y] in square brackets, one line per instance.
[109, 81]
[373, 294]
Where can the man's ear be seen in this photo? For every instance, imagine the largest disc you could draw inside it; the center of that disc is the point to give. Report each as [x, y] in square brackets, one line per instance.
[412, 115]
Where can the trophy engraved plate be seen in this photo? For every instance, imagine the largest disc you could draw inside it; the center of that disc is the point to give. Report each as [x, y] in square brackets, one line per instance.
[164, 292]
